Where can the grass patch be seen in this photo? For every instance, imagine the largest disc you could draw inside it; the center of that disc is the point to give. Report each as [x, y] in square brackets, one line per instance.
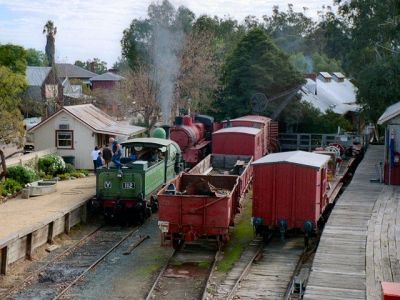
[240, 237]
[204, 264]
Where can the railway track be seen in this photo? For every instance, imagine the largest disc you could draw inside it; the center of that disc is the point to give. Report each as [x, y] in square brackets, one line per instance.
[264, 271]
[56, 277]
[186, 274]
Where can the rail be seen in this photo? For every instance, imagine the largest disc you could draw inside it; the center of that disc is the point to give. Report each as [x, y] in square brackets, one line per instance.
[182, 256]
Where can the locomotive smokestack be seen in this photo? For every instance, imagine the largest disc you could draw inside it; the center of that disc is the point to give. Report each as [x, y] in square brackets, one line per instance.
[167, 128]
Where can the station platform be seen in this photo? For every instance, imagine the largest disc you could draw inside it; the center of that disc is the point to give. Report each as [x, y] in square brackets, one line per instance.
[360, 245]
[26, 224]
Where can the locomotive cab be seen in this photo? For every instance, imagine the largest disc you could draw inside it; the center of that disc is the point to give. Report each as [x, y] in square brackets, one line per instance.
[148, 163]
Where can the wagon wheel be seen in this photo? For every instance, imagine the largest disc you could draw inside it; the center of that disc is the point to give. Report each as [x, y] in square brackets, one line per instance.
[148, 212]
[141, 217]
[154, 203]
[177, 243]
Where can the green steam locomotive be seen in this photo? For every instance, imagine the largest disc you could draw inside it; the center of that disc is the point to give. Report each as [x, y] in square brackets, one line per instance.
[147, 164]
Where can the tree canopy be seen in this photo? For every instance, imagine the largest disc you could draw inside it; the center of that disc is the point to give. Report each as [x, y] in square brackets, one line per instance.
[256, 65]
[13, 57]
[373, 58]
[95, 65]
[36, 58]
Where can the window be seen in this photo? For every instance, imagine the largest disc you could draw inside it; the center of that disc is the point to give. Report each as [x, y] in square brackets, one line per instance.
[65, 139]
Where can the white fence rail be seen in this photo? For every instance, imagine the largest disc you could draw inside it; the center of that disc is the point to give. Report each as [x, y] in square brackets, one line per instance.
[30, 159]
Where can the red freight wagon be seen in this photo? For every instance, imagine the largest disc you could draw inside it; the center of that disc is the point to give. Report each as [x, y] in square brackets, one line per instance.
[289, 191]
[239, 141]
[255, 121]
[194, 206]
[224, 164]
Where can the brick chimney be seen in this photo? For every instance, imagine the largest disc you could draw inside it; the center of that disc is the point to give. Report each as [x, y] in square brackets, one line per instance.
[311, 76]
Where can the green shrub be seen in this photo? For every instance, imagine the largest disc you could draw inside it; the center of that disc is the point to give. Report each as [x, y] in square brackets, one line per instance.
[21, 174]
[10, 186]
[52, 164]
[41, 174]
[64, 176]
[69, 168]
[84, 172]
[77, 174]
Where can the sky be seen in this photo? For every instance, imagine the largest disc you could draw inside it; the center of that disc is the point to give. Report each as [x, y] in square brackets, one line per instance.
[93, 28]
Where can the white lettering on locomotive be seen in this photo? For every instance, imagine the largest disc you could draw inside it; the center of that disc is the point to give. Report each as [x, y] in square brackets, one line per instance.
[107, 184]
[128, 185]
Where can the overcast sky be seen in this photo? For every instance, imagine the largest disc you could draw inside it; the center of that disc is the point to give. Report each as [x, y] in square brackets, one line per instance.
[93, 28]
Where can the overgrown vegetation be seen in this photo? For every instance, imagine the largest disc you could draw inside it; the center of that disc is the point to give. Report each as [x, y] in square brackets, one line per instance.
[9, 187]
[21, 174]
[241, 236]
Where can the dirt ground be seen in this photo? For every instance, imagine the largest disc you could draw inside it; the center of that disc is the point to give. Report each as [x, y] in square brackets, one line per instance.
[126, 276]
[23, 268]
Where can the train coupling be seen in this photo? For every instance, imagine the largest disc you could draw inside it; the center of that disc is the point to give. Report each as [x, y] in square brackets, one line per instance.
[283, 225]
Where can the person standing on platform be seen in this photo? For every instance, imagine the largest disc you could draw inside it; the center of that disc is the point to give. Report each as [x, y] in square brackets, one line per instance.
[94, 155]
[107, 155]
[99, 160]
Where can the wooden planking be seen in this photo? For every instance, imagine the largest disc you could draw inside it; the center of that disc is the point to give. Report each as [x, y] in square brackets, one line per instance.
[339, 267]
[269, 277]
[382, 257]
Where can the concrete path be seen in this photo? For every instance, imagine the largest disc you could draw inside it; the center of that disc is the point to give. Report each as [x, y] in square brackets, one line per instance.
[19, 216]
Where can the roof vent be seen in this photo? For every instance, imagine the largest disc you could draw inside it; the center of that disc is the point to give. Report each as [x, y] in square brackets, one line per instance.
[63, 126]
[325, 76]
[338, 77]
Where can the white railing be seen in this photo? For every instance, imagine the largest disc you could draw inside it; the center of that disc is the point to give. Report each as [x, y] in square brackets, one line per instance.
[30, 159]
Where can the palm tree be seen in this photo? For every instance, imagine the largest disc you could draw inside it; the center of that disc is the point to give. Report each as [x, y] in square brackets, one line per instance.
[50, 31]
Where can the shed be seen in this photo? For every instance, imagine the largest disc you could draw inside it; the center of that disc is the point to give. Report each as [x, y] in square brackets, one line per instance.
[76, 130]
[238, 141]
[391, 119]
[107, 80]
[289, 188]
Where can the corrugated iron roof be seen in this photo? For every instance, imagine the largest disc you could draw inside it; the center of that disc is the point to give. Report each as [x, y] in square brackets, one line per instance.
[391, 112]
[109, 76]
[35, 76]
[340, 97]
[253, 118]
[239, 129]
[71, 71]
[97, 120]
[149, 140]
[295, 157]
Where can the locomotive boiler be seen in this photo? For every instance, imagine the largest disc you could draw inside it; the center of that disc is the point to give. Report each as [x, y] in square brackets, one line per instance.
[193, 135]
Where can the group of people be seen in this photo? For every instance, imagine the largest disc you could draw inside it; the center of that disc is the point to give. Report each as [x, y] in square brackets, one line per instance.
[107, 155]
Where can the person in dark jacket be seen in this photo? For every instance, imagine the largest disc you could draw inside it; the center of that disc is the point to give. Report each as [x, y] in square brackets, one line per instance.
[107, 155]
[99, 161]
[117, 153]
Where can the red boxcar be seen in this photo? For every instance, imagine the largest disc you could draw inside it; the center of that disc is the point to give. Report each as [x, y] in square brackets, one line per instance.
[224, 164]
[194, 206]
[289, 191]
[255, 121]
[238, 141]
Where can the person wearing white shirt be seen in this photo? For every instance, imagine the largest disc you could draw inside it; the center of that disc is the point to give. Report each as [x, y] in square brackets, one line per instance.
[94, 155]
